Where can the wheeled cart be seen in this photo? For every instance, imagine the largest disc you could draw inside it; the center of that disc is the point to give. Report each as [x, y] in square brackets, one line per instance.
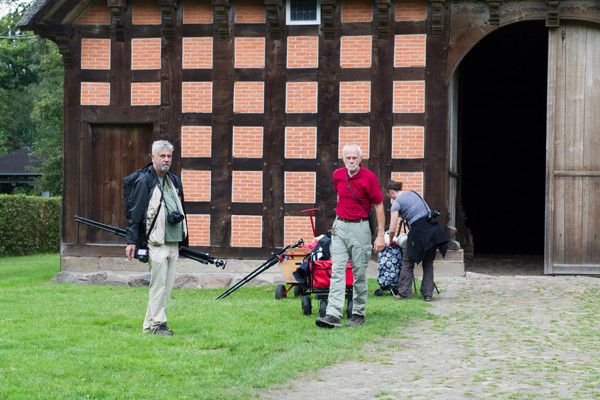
[319, 277]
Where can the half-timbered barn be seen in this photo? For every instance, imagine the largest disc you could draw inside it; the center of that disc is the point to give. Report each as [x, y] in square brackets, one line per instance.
[487, 108]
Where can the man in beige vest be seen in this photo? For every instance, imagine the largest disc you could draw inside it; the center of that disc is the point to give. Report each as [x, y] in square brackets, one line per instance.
[158, 219]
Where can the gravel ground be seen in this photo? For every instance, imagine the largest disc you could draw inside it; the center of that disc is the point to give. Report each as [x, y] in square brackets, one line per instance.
[503, 331]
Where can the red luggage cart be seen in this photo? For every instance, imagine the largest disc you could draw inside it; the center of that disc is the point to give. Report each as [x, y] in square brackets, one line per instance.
[317, 278]
[318, 284]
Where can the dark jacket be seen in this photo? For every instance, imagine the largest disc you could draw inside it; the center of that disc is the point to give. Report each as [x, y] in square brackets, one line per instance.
[142, 188]
[424, 235]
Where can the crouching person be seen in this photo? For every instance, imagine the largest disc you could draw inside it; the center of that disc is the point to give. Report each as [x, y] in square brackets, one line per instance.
[158, 218]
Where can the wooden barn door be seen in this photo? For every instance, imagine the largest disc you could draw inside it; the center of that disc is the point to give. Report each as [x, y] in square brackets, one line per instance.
[116, 151]
[573, 150]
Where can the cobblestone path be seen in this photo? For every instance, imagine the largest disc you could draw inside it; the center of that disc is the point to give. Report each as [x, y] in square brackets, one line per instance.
[497, 336]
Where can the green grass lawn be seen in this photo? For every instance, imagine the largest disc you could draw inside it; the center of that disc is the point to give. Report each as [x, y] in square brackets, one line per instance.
[59, 341]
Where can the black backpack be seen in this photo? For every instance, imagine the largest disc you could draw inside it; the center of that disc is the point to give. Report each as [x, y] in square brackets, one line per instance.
[128, 185]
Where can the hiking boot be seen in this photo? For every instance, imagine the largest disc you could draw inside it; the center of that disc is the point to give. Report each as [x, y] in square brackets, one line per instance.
[328, 321]
[427, 298]
[356, 320]
[163, 330]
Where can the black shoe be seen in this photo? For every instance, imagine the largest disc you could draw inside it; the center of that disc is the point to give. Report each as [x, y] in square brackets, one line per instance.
[427, 298]
[163, 330]
[356, 320]
[400, 297]
[328, 321]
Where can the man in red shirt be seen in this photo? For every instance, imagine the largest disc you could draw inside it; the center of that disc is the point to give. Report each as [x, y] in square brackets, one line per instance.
[358, 190]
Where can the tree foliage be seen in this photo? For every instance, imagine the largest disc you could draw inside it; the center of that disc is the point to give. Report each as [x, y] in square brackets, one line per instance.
[31, 97]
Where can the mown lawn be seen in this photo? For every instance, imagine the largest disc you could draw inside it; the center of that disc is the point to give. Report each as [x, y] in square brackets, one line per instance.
[59, 341]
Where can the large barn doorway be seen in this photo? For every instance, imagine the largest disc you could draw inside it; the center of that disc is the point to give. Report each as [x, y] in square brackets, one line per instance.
[501, 146]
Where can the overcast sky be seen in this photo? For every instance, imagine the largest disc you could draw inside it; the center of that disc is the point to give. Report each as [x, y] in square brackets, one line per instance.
[5, 7]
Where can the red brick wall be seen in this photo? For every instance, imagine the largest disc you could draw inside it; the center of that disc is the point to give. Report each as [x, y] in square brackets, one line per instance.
[198, 229]
[97, 14]
[196, 141]
[248, 141]
[146, 12]
[300, 142]
[411, 10]
[303, 52]
[145, 53]
[197, 12]
[95, 93]
[408, 142]
[95, 53]
[409, 96]
[250, 12]
[196, 185]
[248, 97]
[197, 52]
[355, 97]
[358, 135]
[409, 51]
[357, 11]
[246, 231]
[297, 228]
[301, 97]
[196, 97]
[247, 187]
[249, 52]
[410, 181]
[145, 93]
[356, 51]
[300, 187]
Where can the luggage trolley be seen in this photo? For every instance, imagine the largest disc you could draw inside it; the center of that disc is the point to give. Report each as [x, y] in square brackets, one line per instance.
[317, 278]
[318, 284]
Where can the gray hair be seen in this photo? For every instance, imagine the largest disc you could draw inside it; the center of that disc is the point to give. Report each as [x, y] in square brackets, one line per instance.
[351, 145]
[161, 144]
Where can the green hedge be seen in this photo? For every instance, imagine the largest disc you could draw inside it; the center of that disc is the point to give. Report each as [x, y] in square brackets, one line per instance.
[29, 225]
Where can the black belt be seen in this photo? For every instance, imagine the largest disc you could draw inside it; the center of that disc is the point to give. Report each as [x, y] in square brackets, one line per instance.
[353, 220]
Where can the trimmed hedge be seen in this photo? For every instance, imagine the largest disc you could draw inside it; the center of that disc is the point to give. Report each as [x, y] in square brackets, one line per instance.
[29, 225]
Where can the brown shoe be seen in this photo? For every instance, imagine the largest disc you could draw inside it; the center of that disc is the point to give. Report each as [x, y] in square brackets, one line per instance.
[356, 320]
[163, 330]
[328, 321]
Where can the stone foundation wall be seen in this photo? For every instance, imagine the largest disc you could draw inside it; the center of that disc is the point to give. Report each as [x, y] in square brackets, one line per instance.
[191, 274]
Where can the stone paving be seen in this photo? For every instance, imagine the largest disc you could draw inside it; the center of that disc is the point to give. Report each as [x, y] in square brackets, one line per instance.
[504, 331]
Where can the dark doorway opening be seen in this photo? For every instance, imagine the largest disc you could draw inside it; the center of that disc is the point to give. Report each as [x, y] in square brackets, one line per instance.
[502, 140]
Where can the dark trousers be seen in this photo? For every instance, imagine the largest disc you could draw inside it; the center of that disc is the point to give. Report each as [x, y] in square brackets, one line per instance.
[407, 275]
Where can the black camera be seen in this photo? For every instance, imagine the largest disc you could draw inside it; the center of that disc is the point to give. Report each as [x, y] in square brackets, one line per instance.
[432, 216]
[141, 255]
[174, 217]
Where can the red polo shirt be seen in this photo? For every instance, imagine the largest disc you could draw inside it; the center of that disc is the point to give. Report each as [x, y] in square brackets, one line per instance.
[365, 187]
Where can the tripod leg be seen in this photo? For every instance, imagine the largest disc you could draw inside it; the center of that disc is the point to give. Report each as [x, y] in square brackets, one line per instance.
[415, 285]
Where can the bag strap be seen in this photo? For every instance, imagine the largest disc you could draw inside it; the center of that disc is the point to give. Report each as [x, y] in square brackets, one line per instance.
[423, 200]
[352, 191]
[147, 234]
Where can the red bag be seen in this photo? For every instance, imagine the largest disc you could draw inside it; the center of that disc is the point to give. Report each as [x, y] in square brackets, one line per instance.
[322, 274]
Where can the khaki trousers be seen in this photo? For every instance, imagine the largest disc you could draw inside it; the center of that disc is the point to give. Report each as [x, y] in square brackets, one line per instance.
[351, 240]
[163, 265]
